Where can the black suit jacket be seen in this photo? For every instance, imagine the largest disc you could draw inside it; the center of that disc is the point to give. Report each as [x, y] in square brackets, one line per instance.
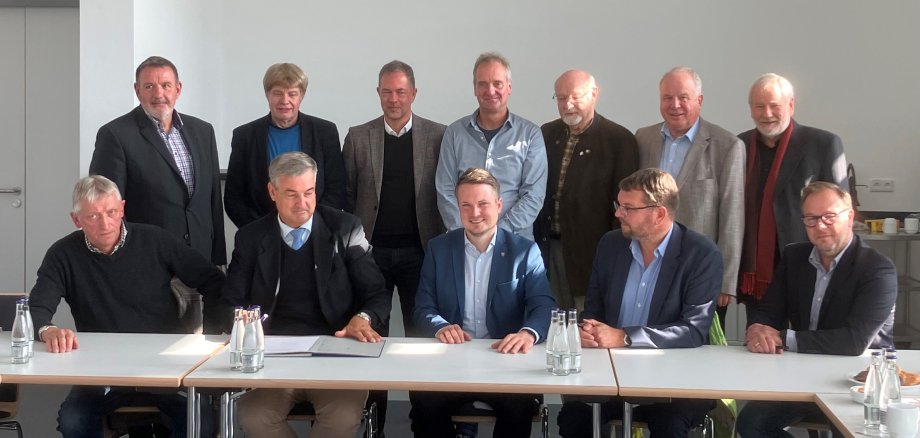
[130, 152]
[858, 306]
[246, 189]
[812, 155]
[347, 279]
[680, 312]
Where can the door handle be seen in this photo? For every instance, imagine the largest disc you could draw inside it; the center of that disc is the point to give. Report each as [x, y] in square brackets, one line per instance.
[12, 191]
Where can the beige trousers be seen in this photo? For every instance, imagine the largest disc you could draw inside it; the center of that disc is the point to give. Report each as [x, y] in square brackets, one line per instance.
[263, 412]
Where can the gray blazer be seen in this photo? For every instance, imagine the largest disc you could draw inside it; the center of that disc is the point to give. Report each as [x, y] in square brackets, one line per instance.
[711, 183]
[363, 153]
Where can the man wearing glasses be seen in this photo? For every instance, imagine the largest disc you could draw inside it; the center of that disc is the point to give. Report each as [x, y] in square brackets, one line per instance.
[832, 295]
[653, 285]
[587, 156]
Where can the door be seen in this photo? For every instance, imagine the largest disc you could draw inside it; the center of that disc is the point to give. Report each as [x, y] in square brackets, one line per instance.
[12, 150]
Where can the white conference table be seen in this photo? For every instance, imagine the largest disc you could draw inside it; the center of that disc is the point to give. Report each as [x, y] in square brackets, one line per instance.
[416, 364]
[113, 359]
[713, 372]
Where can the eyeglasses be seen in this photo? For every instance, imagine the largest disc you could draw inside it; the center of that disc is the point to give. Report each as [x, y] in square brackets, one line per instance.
[561, 98]
[827, 218]
[626, 210]
[111, 214]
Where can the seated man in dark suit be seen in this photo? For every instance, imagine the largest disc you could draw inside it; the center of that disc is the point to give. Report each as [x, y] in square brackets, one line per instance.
[831, 295]
[653, 285]
[479, 282]
[310, 269]
[115, 275]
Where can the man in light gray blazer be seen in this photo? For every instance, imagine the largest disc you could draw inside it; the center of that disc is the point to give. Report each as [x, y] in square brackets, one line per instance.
[390, 164]
[708, 163]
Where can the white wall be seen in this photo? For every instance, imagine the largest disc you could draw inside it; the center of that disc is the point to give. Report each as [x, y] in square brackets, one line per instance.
[853, 63]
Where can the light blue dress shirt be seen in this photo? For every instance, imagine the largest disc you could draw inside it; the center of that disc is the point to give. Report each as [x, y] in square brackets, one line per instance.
[477, 269]
[516, 156]
[286, 231]
[822, 279]
[675, 150]
[640, 284]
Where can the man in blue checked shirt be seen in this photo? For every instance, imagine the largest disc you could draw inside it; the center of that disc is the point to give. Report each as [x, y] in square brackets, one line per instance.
[508, 146]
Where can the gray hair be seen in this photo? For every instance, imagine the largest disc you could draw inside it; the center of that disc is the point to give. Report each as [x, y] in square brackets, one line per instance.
[697, 82]
[492, 57]
[91, 188]
[768, 79]
[397, 66]
[155, 61]
[820, 186]
[290, 164]
[658, 186]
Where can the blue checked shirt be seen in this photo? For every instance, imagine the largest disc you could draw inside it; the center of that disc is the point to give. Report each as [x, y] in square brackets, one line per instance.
[176, 145]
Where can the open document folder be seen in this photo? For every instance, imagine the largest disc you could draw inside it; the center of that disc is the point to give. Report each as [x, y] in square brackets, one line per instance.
[300, 346]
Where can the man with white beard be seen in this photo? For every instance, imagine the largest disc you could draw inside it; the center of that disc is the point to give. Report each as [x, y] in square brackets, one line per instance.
[587, 157]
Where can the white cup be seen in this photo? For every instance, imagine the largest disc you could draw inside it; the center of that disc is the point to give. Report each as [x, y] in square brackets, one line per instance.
[890, 226]
[902, 419]
[911, 225]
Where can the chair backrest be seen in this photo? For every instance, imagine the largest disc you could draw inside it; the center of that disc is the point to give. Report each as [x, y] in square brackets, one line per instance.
[8, 309]
[9, 392]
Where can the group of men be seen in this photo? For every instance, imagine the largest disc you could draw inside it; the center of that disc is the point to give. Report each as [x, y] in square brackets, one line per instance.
[481, 227]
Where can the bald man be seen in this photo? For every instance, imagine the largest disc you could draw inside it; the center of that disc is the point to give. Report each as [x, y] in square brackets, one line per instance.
[587, 157]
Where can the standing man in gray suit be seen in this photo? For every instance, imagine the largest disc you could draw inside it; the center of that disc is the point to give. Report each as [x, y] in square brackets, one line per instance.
[782, 158]
[390, 163]
[587, 157]
[708, 164]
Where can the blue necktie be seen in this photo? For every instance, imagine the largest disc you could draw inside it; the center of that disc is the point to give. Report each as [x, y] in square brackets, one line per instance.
[299, 235]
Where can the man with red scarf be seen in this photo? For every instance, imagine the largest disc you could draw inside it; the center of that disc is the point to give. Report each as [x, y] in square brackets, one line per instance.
[782, 158]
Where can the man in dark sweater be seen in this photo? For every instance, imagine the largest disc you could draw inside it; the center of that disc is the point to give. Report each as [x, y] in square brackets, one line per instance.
[311, 270]
[116, 278]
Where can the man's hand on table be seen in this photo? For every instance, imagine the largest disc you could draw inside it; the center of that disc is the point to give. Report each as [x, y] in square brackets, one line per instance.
[60, 340]
[360, 329]
[761, 338]
[453, 334]
[520, 342]
[595, 334]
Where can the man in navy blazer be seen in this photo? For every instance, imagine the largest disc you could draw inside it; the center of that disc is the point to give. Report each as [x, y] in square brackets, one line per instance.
[832, 295]
[653, 285]
[479, 282]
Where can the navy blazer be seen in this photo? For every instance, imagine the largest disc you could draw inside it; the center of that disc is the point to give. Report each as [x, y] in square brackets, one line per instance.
[347, 279]
[858, 306]
[518, 297]
[246, 190]
[681, 309]
[130, 152]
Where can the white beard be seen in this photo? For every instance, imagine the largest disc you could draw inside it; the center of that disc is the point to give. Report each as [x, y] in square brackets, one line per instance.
[572, 120]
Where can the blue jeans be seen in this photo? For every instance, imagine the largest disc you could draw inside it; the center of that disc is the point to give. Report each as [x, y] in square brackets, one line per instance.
[402, 268]
[82, 411]
[769, 418]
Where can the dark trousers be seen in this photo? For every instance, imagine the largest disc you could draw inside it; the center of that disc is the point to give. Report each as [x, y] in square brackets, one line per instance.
[401, 267]
[769, 418]
[82, 411]
[431, 412]
[673, 419]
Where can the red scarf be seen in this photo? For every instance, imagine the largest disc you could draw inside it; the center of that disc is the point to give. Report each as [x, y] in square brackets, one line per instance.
[760, 222]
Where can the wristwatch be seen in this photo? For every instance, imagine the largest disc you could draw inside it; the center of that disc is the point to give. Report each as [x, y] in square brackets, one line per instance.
[42, 331]
[626, 340]
[364, 316]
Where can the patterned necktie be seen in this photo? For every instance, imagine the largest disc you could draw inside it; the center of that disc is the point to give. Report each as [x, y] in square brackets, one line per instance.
[299, 235]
